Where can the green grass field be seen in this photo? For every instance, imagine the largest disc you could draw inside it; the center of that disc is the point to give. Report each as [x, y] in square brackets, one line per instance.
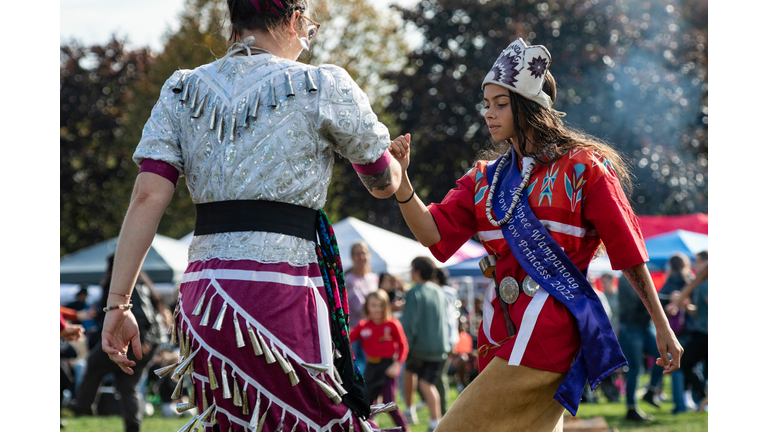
[613, 413]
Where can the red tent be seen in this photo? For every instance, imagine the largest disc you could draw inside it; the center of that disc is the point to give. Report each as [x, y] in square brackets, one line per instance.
[655, 225]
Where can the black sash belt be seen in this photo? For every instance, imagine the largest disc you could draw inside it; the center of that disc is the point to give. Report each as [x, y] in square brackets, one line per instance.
[255, 215]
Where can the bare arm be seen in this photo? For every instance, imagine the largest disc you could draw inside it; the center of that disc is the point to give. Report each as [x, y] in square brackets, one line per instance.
[416, 215]
[384, 183]
[150, 197]
[666, 341]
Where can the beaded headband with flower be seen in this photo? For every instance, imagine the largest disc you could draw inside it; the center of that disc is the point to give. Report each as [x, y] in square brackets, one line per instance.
[521, 69]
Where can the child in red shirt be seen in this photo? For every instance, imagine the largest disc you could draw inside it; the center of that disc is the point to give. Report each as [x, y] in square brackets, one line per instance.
[386, 348]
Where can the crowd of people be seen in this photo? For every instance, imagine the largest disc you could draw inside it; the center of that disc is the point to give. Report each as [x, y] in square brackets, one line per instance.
[413, 338]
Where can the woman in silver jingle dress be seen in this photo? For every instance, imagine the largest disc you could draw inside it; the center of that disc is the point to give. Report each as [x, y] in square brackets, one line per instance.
[252, 319]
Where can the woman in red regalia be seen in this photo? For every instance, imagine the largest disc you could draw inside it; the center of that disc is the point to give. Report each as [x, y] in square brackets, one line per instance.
[575, 187]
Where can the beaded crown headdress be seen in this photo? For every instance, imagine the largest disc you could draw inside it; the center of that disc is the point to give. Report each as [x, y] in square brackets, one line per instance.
[521, 69]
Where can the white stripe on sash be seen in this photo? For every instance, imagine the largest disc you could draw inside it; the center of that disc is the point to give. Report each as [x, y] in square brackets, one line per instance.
[562, 228]
[490, 235]
[526, 326]
[253, 276]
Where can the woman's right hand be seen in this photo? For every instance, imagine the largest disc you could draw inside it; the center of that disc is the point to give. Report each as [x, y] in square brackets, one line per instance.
[121, 329]
[401, 150]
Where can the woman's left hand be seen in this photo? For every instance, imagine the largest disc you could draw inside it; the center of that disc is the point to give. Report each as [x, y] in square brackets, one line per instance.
[120, 330]
[670, 350]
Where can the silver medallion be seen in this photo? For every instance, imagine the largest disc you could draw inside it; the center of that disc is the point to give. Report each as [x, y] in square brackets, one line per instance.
[509, 290]
[530, 286]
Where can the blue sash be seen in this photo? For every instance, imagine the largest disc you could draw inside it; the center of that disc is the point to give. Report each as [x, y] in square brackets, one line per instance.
[546, 262]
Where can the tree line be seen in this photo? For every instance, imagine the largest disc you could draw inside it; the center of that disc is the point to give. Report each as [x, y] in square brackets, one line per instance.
[633, 73]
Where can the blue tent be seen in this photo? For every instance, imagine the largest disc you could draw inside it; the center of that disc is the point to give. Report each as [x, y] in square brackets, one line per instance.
[661, 247]
[468, 267]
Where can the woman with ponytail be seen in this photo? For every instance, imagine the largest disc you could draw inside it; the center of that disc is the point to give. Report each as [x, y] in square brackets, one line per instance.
[262, 317]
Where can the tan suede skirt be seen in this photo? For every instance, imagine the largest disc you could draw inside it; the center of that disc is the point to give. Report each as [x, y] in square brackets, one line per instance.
[507, 398]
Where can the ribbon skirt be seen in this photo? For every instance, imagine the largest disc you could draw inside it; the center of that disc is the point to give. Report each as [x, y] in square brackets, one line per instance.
[249, 327]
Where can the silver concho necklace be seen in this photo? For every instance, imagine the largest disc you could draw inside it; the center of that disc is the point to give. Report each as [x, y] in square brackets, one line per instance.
[509, 289]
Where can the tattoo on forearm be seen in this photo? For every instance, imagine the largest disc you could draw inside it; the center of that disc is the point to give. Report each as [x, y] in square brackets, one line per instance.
[378, 181]
[638, 283]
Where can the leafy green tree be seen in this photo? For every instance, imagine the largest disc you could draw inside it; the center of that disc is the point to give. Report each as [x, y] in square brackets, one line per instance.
[629, 72]
[96, 172]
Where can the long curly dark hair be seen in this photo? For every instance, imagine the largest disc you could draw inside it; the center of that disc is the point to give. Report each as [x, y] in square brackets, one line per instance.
[545, 128]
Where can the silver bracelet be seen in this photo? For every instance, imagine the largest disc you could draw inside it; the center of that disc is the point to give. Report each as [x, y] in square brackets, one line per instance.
[113, 307]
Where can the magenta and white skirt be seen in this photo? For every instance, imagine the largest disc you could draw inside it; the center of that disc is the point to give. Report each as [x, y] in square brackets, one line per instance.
[251, 327]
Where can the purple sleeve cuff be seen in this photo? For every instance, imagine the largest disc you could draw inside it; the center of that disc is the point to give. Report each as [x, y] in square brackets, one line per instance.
[375, 167]
[163, 169]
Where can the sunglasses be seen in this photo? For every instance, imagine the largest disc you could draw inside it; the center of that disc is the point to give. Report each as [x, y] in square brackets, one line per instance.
[314, 27]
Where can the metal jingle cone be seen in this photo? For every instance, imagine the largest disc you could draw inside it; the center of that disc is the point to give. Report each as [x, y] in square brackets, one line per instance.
[212, 124]
[232, 126]
[225, 383]
[220, 128]
[193, 101]
[253, 112]
[182, 407]
[245, 402]
[237, 396]
[182, 349]
[280, 426]
[255, 418]
[199, 307]
[261, 421]
[267, 351]
[254, 342]
[187, 345]
[337, 376]
[382, 408]
[295, 425]
[212, 376]
[293, 377]
[339, 387]
[183, 366]
[179, 388]
[185, 94]
[207, 314]
[207, 412]
[202, 396]
[163, 371]
[316, 366]
[238, 333]
[271, 97]
[172, 332]
[220, 319]
[329, 391]
[311, 87]
[351, 424]
[288, 86]
[366, 426]
[178, 86]
[199, 109]
[244, 118]
[280, 359]
[187, 427]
